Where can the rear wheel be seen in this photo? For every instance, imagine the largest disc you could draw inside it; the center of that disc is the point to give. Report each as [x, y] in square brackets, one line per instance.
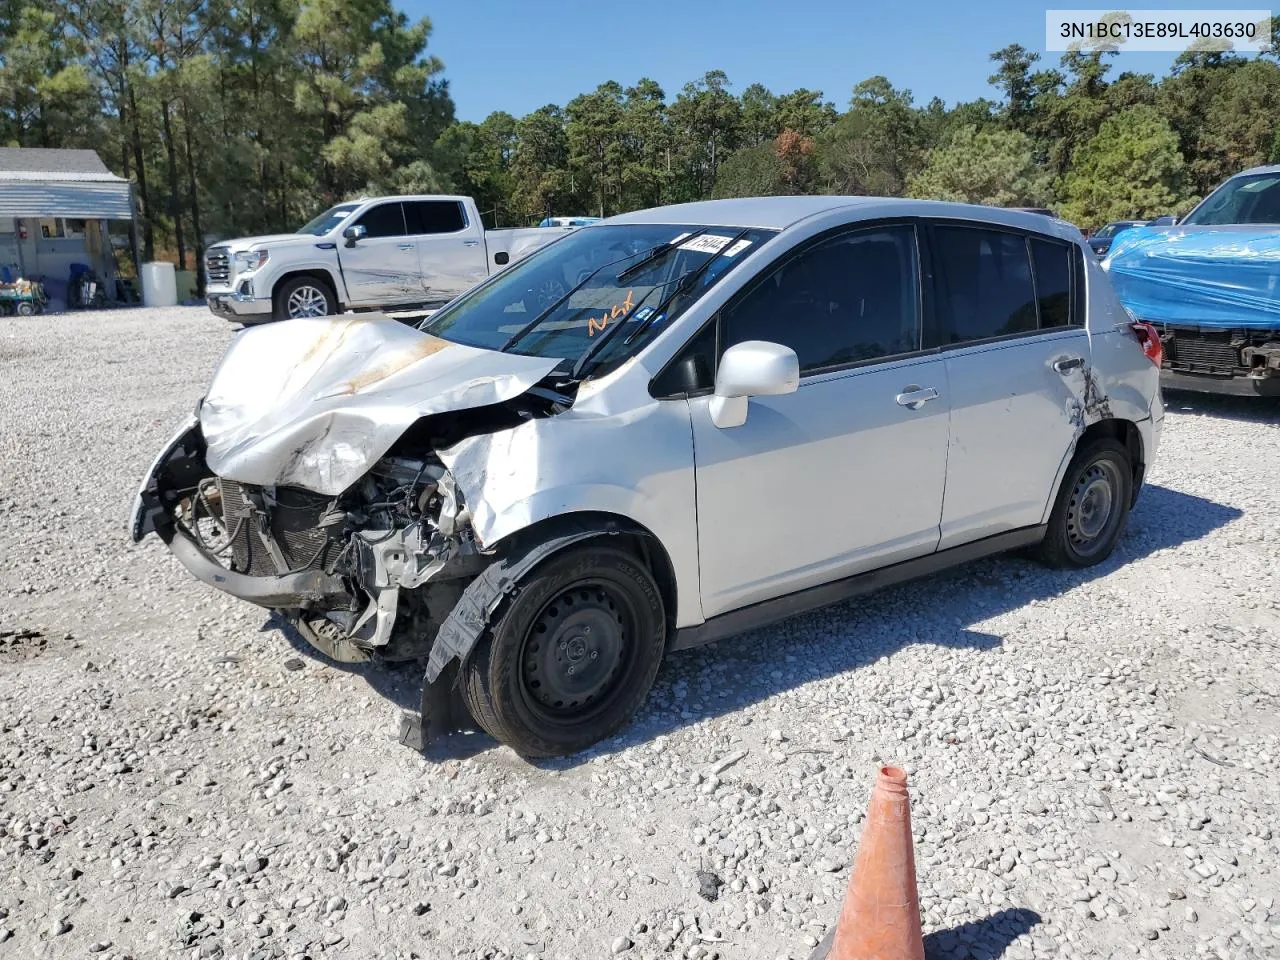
[1092, 506]
[572, 656]
[304, 297]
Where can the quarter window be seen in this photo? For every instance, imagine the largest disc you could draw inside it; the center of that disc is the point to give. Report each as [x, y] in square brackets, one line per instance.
[851, 298]
[985, 287]
[1052, 263]
[433, 216]
[384, 220]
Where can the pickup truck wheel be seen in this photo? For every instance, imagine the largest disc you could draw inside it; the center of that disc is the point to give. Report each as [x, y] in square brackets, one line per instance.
[571, 656]
[304, 297]
[1092, 507]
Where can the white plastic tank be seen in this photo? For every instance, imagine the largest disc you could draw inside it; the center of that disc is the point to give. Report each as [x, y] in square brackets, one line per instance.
[159, 285]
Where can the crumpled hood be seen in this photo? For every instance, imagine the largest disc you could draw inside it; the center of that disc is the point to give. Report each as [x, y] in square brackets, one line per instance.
[314, 403]
[1227, 276]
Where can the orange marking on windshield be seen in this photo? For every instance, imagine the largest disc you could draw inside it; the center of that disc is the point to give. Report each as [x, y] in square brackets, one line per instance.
[614, 312]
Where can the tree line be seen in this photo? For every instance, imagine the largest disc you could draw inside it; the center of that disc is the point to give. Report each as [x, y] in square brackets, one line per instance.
[247, 117]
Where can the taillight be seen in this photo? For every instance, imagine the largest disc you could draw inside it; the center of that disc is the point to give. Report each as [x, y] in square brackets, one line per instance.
[1149, 338]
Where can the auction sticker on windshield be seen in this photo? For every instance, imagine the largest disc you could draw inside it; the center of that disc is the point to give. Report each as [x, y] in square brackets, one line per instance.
[706, 243]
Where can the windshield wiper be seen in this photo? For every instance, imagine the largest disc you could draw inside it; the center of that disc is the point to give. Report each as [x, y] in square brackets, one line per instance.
[528, 327]
[657, 253]
[682, 282]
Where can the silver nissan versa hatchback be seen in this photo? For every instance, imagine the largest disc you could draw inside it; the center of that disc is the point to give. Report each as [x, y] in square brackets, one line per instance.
[660, 430]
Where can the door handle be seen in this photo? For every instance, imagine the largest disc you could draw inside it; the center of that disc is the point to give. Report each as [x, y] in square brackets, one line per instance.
[914, 397]
[404, 246]
[1067, 364]
[470, 243]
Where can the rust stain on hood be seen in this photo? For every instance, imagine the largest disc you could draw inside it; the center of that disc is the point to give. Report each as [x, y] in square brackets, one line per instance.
[394, 364]
[313, 403]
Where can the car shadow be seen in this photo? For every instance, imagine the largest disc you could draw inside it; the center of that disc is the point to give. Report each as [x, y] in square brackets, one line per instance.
[1246, 409]
[723, 677]
[985, 939]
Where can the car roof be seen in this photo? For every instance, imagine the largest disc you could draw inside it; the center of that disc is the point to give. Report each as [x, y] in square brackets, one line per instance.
[1254, 171]
[779, 213]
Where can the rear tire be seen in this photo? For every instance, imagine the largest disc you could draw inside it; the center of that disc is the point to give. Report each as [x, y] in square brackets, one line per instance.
[571, 656]
[303, 297]
[1092, 507]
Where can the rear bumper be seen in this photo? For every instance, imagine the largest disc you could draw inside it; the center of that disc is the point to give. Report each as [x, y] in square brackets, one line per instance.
[1231, 386]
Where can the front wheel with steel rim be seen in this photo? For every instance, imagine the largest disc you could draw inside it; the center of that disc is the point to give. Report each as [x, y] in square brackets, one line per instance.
[1092, 506]
[304, 297]
[571, 656]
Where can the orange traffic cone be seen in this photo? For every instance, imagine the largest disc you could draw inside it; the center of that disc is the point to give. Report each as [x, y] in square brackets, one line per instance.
[880, 919]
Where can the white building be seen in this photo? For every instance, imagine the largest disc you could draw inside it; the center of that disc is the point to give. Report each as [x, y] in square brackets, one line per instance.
[54, 210]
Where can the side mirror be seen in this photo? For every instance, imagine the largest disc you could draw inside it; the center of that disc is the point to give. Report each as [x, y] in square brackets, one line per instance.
[354, 233]
[753, 368]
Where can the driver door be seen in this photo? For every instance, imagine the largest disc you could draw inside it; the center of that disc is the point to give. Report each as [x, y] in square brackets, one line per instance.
[846, 474]
[382, 267]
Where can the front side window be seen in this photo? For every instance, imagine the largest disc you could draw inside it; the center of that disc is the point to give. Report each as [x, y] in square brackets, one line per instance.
[1241, 200]
[984, 284]
[384, 220]
[433, 216]
[598, 294]
[848, 299]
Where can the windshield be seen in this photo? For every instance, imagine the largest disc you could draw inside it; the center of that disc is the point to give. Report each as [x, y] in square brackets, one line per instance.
[329, 219]
[1241, 200]
[622, 282]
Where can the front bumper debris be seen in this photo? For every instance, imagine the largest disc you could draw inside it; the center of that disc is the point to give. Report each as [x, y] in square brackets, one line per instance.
[293, 590]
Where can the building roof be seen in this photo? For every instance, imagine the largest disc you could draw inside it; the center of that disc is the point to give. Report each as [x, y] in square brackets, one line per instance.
[35, 182]
[38, 163]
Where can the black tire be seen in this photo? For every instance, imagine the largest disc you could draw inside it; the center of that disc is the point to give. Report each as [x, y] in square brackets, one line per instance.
[519, 682]
[294, 292]
[1092, 507]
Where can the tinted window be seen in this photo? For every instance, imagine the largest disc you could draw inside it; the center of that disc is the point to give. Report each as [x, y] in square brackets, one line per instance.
[984, 280]
[433, 216]
[850, 298]
[383, 220]
[1053, 282]
[693, 369]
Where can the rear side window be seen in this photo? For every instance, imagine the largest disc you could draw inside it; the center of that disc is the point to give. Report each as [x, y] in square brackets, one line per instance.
[433, 216]
[384, 220]
[984, 281]
[1052, 262]
[848, 299]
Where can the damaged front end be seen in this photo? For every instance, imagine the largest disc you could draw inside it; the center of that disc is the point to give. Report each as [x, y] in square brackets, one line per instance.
[374, 570]
[309, 482]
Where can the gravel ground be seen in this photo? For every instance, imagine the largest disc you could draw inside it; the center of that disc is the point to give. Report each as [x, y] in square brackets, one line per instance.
[1093, 756]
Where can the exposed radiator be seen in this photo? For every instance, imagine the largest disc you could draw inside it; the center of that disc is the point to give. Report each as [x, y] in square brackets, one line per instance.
[295, 527]
[1203, 352]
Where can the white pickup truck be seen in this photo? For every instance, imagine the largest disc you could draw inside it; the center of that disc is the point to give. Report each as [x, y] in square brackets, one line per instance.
[372, 253]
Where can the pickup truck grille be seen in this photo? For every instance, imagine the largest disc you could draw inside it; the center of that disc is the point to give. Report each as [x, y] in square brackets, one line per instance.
[217, 265]
[1203, 352]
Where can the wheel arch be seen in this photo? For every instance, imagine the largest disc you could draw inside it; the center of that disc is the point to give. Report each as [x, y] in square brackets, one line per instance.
[1125, 432]
[323, 274]
[619, 530]
[523, 550]
[1115, 428]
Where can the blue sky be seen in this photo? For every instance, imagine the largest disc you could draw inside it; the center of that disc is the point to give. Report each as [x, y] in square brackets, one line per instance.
[517, 56]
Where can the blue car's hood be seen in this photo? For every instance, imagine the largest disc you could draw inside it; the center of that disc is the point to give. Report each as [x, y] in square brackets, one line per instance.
[1199, 276]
